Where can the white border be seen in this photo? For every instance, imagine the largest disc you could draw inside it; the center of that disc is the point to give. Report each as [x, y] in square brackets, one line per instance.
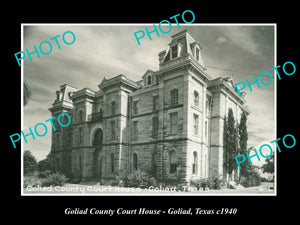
[149, 24]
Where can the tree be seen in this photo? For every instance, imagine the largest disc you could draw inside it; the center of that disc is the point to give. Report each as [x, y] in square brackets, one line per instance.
[252, 177]
[29, 162]
[230, 143]
[243, 138]
[44, 164]
[269, 166]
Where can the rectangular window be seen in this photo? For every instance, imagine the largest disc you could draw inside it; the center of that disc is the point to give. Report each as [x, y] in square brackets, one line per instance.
[135, 130]
[196, 123]
[113, 108]
[174, 97]
[149, 80]
[80, 135]
[57, 141]
[207, 107]
[206, 130]
[173, 123]
[113, 131]
[174, 51]
[196, 98]
[155, 103]
[197, 54]
[135, 107]
[70, 139]
[154, 126]
[80, 117]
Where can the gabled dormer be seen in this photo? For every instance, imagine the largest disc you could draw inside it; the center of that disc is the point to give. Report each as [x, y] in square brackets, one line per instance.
[183, 44]
[149, 78]
[196, 52]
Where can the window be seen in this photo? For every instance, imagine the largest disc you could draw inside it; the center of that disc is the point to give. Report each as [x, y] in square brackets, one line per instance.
[135, 161]
[113, 132]
[196, 98]
[155, 102]
[112, 162]
[154, 126]
[207, 107]
[135, 130]
[174, 51]
[195, 163]
[196, 123]
[149, 80]
[98, 138]
[80, 139]
[154, 163]
[57, 141]
[113, 108]
[197, 54]
[174, 97]
[70, 139]
[135, 107]
[173, 162]
[80, 117]
[173, 123]
[206, 129]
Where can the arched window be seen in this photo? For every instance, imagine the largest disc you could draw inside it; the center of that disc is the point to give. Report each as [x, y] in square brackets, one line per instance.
[98, 137]
[174, 97]
[196, 98]
[135, 161]
[173, 162]
[112, 162]
[195, 163]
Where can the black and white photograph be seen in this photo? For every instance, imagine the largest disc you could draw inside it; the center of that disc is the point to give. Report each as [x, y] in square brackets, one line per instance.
[149, 117]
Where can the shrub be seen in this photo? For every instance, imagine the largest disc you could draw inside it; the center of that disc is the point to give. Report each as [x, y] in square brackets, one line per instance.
[180, 187]
[251, 179]
[139, 178]
[31, 181]
[200, 183]
[117, 182]
[211, 183]
[29, 162]
[55, 179]
[44, 165]
[44, 174]
[215, 183]
[74, 179]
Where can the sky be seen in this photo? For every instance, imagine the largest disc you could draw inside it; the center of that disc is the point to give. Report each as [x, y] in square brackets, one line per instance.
[109, 50]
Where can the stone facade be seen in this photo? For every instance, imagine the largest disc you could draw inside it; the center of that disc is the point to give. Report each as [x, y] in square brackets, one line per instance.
[170, 123]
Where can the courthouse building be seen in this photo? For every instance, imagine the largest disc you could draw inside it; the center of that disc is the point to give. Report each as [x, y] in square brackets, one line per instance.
[170, 123]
